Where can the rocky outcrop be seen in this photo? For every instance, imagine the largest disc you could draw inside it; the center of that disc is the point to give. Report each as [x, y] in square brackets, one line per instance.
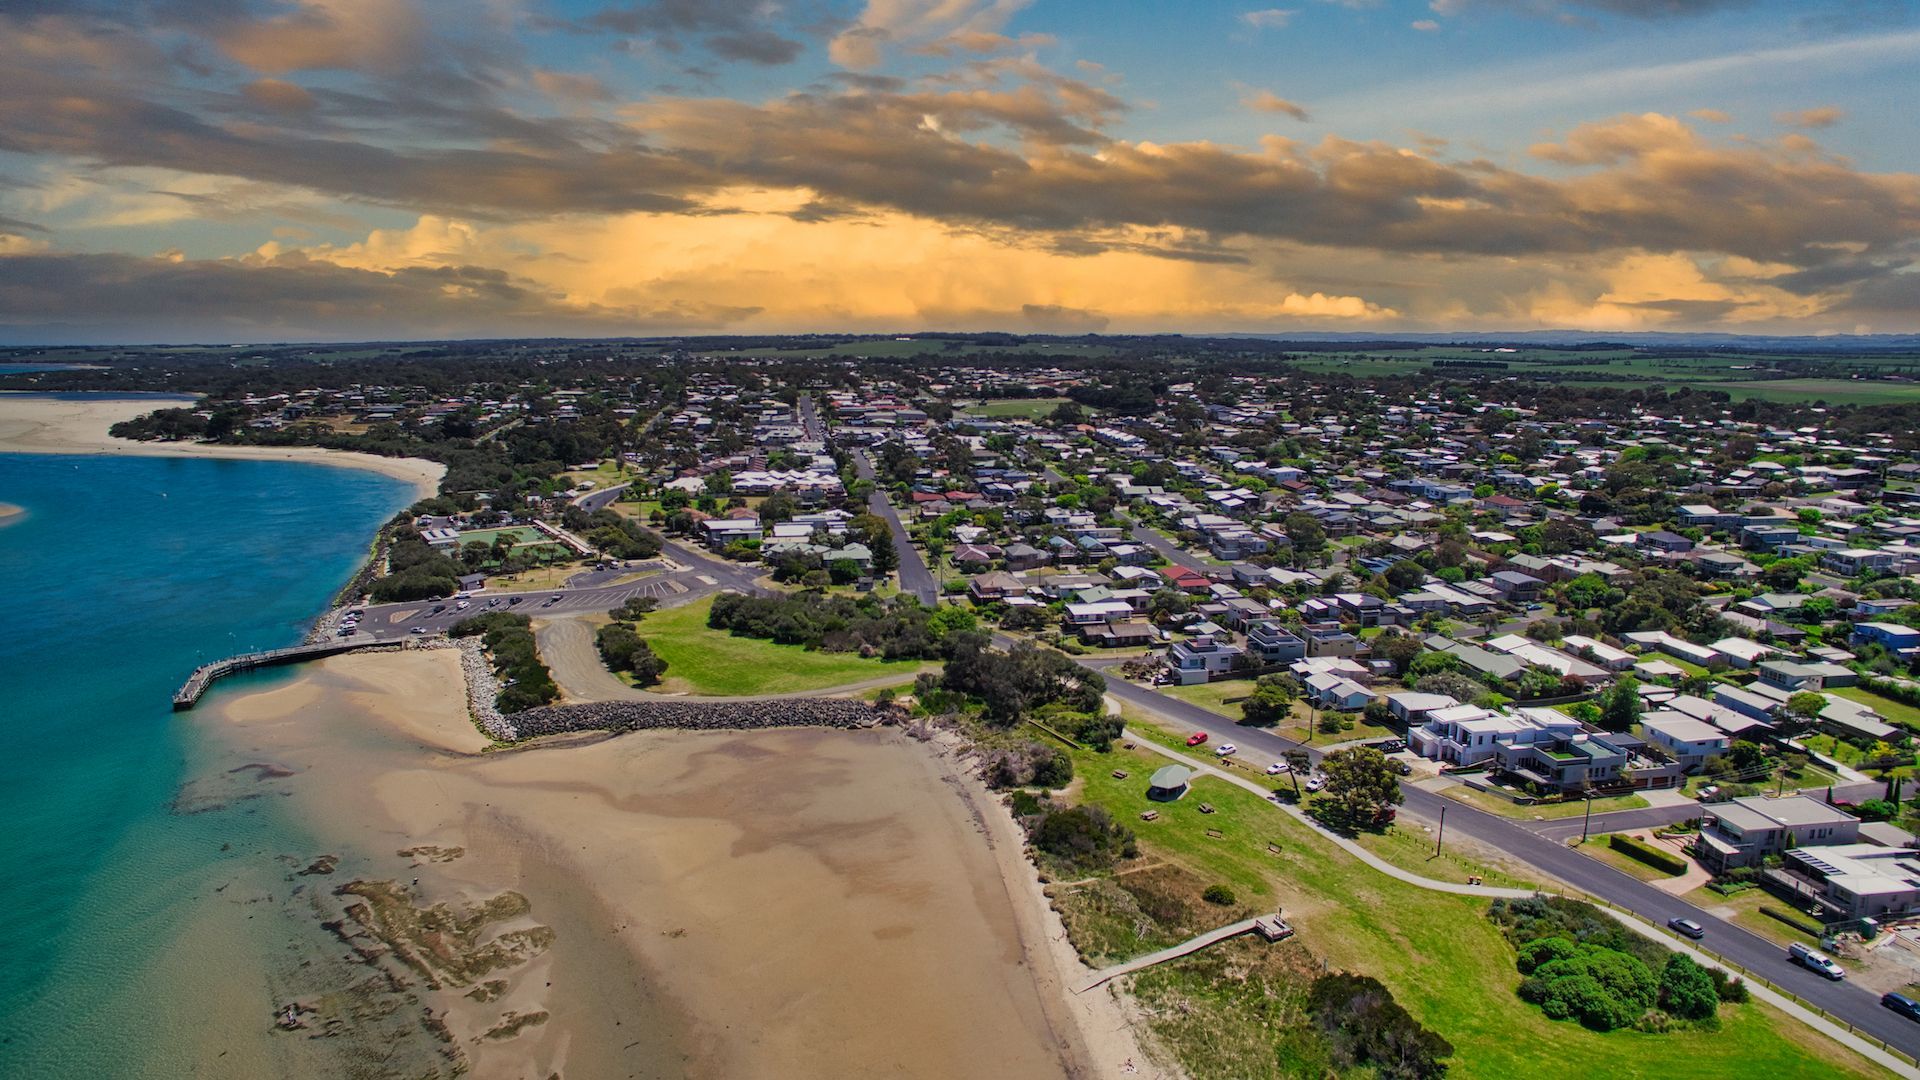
[693, 716]
[483, 689]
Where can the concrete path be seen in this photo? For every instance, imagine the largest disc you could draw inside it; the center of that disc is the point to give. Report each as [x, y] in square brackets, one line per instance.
[1865, 1047]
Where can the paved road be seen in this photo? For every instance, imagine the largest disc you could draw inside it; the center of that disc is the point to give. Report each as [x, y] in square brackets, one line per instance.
[1652, 817]
[1158, 541]
[810, 419]
[1858, 1007]
[914, 575]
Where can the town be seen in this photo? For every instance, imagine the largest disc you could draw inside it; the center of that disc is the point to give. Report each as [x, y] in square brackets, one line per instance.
[1659, 649]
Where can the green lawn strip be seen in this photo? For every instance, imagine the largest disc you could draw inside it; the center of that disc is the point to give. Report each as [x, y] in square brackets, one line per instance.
[701, 660]
[1743, 909]
[1437, 952]
[1012, 408]
[1507, 808]
[1896, 712]
[1597, 848]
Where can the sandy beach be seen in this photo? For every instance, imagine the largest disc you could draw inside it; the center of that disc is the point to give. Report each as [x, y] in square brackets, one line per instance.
[785, 903]
[41, 425]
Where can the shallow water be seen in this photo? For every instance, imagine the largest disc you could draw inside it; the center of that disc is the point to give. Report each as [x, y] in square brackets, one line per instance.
[123, 575]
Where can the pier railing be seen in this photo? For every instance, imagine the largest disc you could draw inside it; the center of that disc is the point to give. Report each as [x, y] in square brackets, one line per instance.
[205, 675]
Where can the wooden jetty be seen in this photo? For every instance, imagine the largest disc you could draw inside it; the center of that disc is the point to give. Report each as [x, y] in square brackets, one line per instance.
[204, 676]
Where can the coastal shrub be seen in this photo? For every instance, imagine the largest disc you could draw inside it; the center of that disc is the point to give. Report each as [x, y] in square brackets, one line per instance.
[1601, 988]
[415, 571]
[525, 681]
[1082, 838]
[623, 649]
[1027, 763]
[1012, 683]
[896, 629]
[1664, 861]
[635, 609]
[1687, 991]
[616, 535]
[1729, 988]
[1365, 1027]
[1097, 731]
[1219, 894]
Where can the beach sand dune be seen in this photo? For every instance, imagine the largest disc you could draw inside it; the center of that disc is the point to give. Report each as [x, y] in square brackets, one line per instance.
[34, 424]
[787, 903]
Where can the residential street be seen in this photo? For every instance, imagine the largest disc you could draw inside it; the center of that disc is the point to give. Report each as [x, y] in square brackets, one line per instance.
[915, 578]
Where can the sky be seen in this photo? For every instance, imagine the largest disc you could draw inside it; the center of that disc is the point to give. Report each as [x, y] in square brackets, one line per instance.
[296, 170]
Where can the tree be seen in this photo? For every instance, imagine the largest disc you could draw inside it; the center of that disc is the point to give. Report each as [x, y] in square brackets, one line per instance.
[1067, 412]
[1807, 704]
[1399, 649]
[1305, 532]
[1404, 576]
[1620, 707]
[1297, 762]
[1269, 703]
[1360, 783]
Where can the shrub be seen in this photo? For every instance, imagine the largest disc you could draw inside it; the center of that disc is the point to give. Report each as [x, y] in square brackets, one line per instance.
[1366, 1027]
[623, 649]
[1082, 838]
[1728, 988]
[1664, 861]
[1687, 990]
[508, 637]
[1218, 894]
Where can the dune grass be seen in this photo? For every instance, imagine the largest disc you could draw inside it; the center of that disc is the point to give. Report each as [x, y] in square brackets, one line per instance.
[1437, 952]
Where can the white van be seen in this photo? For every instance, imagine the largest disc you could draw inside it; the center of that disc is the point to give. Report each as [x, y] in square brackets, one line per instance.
[1814, 961]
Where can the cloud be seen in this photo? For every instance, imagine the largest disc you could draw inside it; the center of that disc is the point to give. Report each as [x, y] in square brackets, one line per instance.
[916, 24]
[1425, 26]
[1268, 102]
[1054, 319]
[1711, 116]
[1824, 116]
[1269, 18]
[730, 29]
[277, 96]
[50, 296]
[1631, 9]
[328, 34]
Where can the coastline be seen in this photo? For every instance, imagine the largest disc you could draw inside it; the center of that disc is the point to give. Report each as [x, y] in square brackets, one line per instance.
[710, 876]
[33, 424]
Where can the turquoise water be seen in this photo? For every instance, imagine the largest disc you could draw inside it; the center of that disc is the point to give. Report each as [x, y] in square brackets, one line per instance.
[122, 576]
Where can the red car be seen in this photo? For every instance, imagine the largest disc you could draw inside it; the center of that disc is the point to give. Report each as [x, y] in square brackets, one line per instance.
[1196, 738]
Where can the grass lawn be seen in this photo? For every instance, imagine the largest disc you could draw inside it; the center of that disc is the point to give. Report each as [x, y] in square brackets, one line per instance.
[1598, 848]
[1896, 712]
[1214, 697]
[1743, 908]
[1495, 804]
[712, 662]
[1015, 408]
[539, 577]
[1442, 959]
[1687, 666]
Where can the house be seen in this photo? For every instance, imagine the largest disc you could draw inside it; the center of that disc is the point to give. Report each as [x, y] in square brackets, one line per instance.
[1856, 561]
[1411, 707]
[1856, 881]
[1562, 766]
[1270, 643]
[1026, 557]
[1598, 652]
[1202, 659]
[1742, 832]
[1516, 587]
[1691, 742]
[1330, 691]
[1895, 638]
[995, 585]
[1665, 542]
[1790, 676]
[717, 533]
[1186, 579]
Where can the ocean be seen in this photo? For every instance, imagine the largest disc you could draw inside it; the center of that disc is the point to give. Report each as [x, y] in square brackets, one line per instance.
[122, 575]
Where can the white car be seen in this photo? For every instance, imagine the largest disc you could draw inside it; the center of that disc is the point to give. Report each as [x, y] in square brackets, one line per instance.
[1316, 782]
[1278, 767]
[1225, 750]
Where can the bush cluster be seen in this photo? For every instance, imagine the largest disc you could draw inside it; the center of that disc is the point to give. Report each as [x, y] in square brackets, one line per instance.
[415, 571]
[1022, 679]
[1580, 965]
[897, 630]
[525, 681]
[1080, 838]
[616, 535]
[623, 649]
[1365, 1027]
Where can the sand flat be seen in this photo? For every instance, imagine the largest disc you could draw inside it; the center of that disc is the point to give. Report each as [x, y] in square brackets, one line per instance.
[787, 903]
[40, 425]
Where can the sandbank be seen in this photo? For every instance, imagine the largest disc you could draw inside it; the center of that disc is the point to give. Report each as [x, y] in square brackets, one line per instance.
[33, 424]
[784, 903]
[9, 514]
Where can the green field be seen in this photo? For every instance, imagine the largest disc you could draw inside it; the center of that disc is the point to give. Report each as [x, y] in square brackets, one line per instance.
[519, 535]
[714, 663]
[1896, 712]
[1014, 408]
[1437, 952]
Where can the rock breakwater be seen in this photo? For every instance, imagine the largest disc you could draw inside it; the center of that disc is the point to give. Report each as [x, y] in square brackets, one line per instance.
[692, 716]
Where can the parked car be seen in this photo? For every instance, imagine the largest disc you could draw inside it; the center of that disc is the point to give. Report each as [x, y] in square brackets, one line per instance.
[1277, 768]
[1400, 768]
[1687, 928]
[417, 630]
[1817, 962]
[1316, 782]
[1196, 738]
[1226, 750]
[1902, 1004]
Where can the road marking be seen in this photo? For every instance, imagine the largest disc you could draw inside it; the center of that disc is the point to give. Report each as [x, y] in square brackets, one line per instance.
[705, 579]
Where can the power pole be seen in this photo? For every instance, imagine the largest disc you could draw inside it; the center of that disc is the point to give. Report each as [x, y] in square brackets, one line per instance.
[1587, 823]
[1440, 836]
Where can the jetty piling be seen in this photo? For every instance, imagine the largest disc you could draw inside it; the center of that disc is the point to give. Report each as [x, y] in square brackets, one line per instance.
[206, 674]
